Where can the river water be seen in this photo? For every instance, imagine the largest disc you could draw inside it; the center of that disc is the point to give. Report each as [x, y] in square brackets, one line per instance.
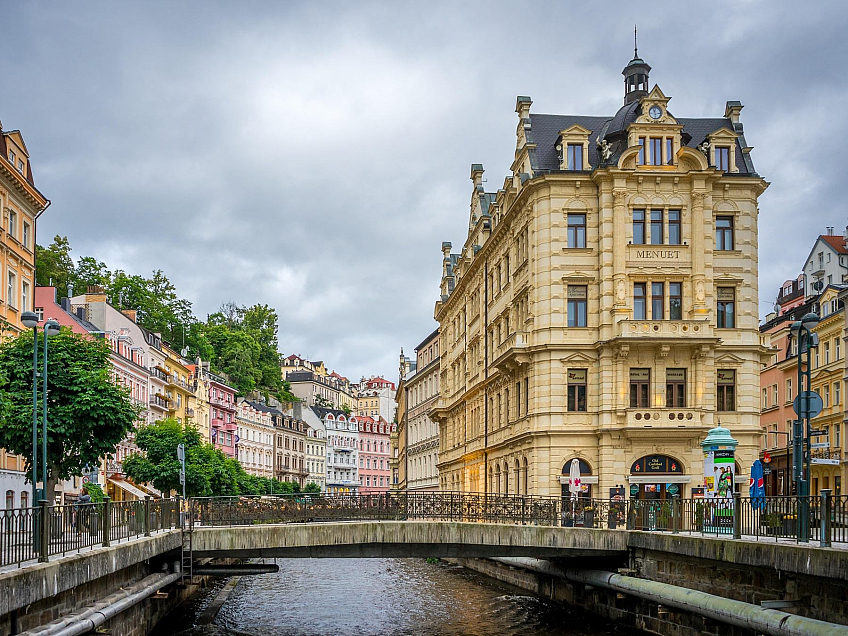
[393, 597]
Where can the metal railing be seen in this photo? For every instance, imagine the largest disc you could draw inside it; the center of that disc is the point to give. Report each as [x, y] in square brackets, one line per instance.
[27, 534]
[72, 527]
[739, 517]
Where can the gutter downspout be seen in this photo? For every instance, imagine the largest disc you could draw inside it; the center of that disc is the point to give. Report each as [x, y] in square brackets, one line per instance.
[91, 618]
[724, 610]
[485, 378]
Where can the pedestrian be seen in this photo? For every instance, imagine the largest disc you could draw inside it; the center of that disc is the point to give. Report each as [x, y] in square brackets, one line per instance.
[81, 510]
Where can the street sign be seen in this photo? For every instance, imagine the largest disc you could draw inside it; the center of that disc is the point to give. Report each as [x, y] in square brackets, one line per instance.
[819, 460]
[811, 401]
[766, 471]
[181, 452]
[817, 433]
[820, 445]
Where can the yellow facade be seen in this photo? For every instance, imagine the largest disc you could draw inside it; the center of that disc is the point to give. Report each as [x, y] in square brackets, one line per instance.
[557, 312]
[179, 388]
[827, 379]
[20, 204]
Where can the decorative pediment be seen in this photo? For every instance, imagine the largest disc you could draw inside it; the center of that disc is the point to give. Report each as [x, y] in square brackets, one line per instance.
[655, 108]
[578, 357]
[574, 134]
[729, 359]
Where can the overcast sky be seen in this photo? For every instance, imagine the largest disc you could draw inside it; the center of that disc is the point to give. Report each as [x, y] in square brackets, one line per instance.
[313, 156]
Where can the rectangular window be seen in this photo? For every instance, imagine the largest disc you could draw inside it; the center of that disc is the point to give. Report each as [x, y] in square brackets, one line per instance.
[675, 301]
[838, 349]
[789, 389]
[775, 399]
[726, 308]
[13, 223]
[11, 296]
[656, 227]
[827, 353]
[669, 151]
[726, 390]
[765, 398]
[656, 151]
[640, 386]
[724, 233]
[638, 227]
[675, 388]
[641, 151]
[575, 156]
[826, 395]
[639, 302]
[674, 227]
[24, 295]
[577, 390]
[577, 230]
[25, 237]
[657, 301]
[526, 396]
[722, 158]
[576, 305]
[39, 311]
[837, 391]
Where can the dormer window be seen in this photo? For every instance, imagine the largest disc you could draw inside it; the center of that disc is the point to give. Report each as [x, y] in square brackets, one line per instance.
[722, 158]
[575, 157]
[656, 151]
[12, 157]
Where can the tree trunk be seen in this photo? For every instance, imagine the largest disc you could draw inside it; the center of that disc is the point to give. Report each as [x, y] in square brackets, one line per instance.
[50, 486]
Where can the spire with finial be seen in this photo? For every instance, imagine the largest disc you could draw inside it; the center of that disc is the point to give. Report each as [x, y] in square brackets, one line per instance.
[635, 75]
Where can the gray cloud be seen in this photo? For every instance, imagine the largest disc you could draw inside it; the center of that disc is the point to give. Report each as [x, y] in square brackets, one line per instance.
[313, 156]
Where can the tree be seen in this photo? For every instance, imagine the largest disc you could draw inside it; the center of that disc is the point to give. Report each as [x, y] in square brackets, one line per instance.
[159, 463]
[91, 273]
[87, 413]
[312, 488]
[54, 265]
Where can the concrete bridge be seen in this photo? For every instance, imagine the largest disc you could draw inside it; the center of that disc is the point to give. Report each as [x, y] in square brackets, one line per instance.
[112, 586]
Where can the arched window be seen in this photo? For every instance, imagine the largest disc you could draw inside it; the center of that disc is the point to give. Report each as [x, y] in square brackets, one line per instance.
[10, 499]
[585, 470]
[656, 477]
[517, 478]
[505, 478]
[525, 476]
[497, 477]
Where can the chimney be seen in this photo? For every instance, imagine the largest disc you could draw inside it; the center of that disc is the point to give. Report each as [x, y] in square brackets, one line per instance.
[829, 230]
[81, 313]
[70, 290]
[129, 313]
[297, 408]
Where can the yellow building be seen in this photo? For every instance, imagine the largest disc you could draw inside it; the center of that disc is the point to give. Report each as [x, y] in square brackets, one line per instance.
[179, 388]
[21, 204]
[827, 470]
[604, 304]
[201, 418]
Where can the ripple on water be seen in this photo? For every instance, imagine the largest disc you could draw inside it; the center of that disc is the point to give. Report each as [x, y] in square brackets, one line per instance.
[386, 597]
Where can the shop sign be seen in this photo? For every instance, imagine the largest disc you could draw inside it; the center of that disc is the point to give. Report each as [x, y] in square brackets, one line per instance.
[643, 375]
[577, 291]
[726, 376]
[672, 489]
[675, 375]
[577, 376]
[634, 490]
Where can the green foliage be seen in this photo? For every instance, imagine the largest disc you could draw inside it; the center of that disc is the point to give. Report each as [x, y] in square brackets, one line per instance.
[88, 414]
[240, 342]
[208, 471]
[312, 488]
[323, 402]
[95, 491]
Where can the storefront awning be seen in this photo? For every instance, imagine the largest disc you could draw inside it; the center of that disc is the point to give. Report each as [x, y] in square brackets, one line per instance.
[659, 479]
[128, 487]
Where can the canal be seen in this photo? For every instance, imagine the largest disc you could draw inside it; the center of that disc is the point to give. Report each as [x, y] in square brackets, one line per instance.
[379, 596]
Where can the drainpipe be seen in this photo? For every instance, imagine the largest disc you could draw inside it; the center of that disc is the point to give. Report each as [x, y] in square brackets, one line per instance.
[88, 620]
[724, 610]
[485, 378]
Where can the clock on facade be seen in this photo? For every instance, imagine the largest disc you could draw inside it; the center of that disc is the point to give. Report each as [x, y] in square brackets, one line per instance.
[655, 112]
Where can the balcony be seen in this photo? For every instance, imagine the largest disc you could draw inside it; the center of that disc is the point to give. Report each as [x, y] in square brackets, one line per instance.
[222, 403]
[649, 420]
[159, 374]
[189, 412]
[665, 329]
[159, 402]
[346, 449]
[512, 352]
[173, 380]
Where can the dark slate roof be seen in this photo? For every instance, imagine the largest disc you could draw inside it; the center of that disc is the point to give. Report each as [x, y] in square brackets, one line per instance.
[264, 408]
[546, 129]
[321, 412]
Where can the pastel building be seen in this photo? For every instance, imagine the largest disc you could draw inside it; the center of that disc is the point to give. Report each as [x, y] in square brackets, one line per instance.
[374, 455]
[254, 439]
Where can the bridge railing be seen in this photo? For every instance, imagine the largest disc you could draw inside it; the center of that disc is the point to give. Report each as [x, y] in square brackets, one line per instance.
[27, 534]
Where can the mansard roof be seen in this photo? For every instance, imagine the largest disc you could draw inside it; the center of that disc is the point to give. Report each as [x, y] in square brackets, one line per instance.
[546, 129]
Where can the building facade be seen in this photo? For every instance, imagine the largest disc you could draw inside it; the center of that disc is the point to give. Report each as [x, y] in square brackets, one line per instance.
[827, 263]
[290, 437]
[422, 452]
[604, 306]
[374, 454]
[20, 205]
[342, 447]
[399, 436]
[254, 442]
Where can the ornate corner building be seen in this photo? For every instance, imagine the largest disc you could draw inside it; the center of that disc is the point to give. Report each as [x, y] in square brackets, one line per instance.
[604, 305]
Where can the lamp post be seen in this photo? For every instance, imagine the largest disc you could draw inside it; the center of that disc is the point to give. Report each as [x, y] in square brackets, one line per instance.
[30, 320]
[51, 328]
[801, 427]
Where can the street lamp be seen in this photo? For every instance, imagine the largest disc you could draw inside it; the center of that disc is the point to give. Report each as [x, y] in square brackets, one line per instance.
[30, 320]
[801, 427]
[51, 328]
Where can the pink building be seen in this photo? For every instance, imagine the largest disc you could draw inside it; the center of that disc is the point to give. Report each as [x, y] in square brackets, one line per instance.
[374, 447]
[222, 414]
